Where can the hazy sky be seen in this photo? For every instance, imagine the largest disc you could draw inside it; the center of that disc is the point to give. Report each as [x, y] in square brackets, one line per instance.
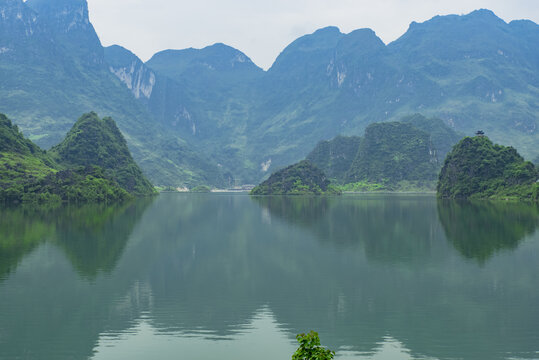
[262, 28]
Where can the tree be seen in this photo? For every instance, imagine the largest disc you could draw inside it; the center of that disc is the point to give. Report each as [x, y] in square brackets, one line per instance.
[310, 348]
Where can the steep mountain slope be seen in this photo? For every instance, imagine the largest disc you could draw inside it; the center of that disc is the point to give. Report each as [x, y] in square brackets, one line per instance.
[53, 69]
[206, 97]
[27, 174]
[19, 157]
[393, 152]
[335, 157]
[131, 71]
[485, 72]
[167, 99]
[442, 136]
[302, 99]
[473, 72]
[478, 168]
[211, 116]
[98, 142]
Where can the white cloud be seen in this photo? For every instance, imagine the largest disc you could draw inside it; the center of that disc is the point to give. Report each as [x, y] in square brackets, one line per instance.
[262, 28]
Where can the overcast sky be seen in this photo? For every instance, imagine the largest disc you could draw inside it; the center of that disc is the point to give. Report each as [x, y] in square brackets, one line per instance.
[263, 28]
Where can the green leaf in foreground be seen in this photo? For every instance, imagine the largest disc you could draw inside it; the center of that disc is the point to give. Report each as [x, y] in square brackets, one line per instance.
[310, 348]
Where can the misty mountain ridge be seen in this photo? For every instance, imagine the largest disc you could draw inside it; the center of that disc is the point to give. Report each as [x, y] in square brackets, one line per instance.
[189, 113]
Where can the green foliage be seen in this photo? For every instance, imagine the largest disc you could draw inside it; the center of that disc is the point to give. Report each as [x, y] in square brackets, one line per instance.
[13, 141]
[98, 142]
[335, 156]
[310, 348]
[401, 186]
[28, 175]
[443, 137]
[477, 168]
[302, 178]
[392, 152]
[394, 156]
[79, 185]
[201, 189]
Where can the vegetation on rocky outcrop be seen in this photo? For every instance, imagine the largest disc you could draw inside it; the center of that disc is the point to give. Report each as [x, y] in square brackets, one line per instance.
[393, 152]
[93, 164]
[476, 168]
[302, 178]
[394, 156]
[98, 142]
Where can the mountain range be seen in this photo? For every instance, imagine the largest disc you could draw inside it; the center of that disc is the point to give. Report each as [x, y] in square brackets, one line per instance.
[211, 116]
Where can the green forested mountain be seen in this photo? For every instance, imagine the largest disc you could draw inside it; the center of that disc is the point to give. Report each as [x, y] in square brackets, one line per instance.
[207, 96]
[393, 152]
[28, 174]
[478, 168]
[98, 142]
[211, 116]
[92, 164]
[473, 72]
[302, 178]
[11, 140]
[335, 156]
[53, 68]
[442, 136]
[20, 159]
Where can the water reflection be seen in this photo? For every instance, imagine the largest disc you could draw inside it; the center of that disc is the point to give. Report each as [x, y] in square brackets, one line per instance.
[480, 229]
[400, 228]
[92, 236]
[21, 230]
[376, 276]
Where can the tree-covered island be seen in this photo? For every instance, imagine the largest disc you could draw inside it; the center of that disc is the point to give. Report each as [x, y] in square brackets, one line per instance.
[302, 178]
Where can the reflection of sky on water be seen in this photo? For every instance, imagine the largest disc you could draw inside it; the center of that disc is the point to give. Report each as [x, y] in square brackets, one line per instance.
[263, 338]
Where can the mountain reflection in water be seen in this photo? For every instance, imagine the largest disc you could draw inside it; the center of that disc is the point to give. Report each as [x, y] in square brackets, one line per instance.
[372, 274]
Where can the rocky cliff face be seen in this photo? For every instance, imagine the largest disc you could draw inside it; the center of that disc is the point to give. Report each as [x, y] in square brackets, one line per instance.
[18, 24]
[68, 21]
[131, 71]
[16, 18]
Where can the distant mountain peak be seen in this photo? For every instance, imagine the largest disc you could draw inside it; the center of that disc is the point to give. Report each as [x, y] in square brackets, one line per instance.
[484, 13]
[334, 30]
[214, 58]
[67, 15]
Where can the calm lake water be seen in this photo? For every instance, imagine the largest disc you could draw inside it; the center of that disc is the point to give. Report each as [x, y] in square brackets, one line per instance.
[233, 277]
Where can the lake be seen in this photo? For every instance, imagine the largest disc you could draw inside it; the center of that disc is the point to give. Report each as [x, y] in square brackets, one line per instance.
[220, 276]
